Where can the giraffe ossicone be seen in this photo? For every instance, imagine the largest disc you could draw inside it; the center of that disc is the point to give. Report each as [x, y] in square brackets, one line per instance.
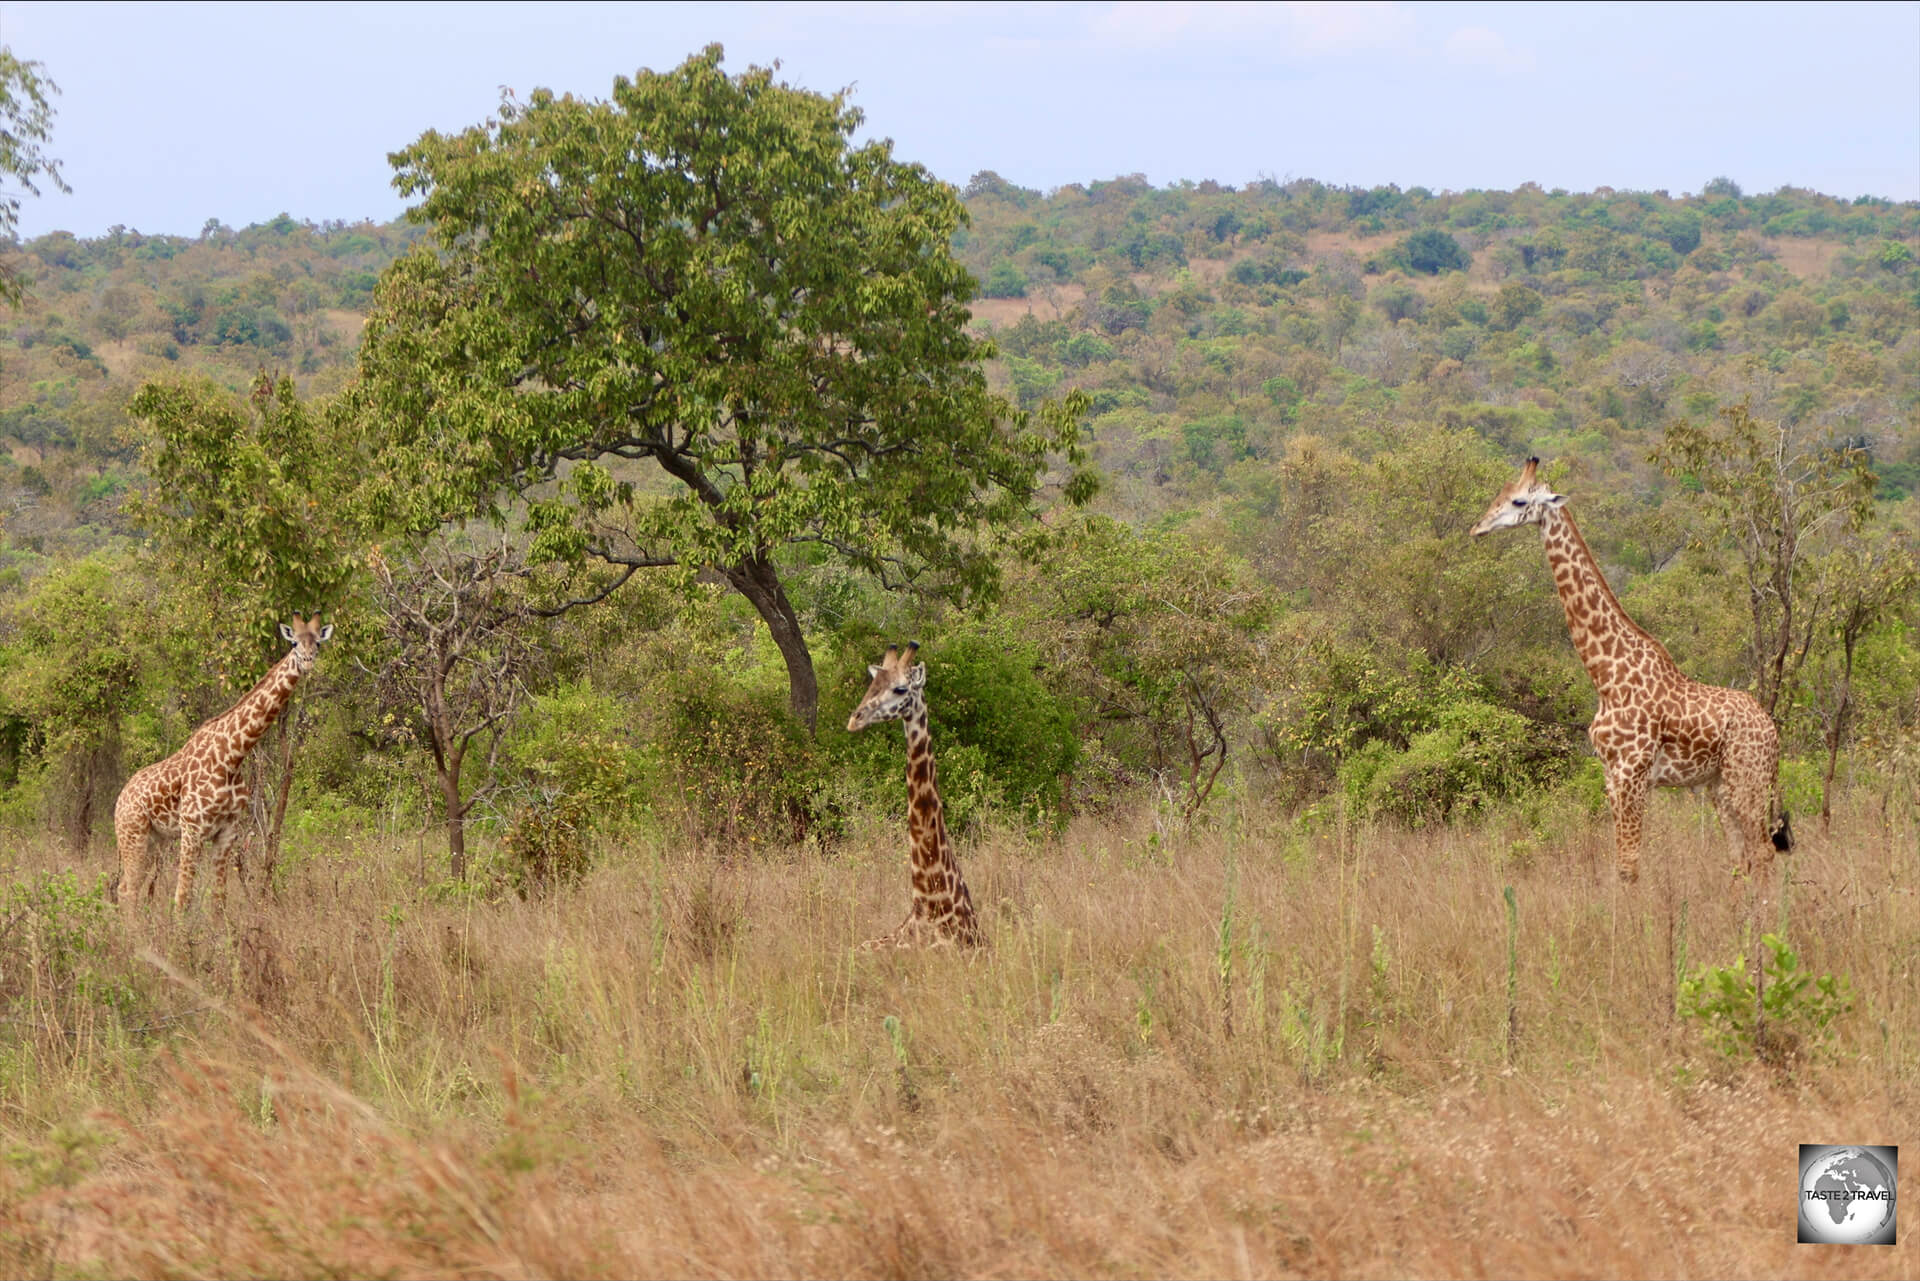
[200, 791]
[942, 911]
[1655, 726]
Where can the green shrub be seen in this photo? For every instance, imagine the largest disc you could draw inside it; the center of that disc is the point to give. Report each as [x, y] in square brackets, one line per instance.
[1586, 785]
[576, 743]
[968, 788]
[1475, 756]
[1433, 251]
[737, 766]
[57, 955]
[1005, 280]
[575, 771]
[983, 694]
[1798, 1009]
[1358, 773]
[1345, 697]
[1800, 789]
[1002, 739]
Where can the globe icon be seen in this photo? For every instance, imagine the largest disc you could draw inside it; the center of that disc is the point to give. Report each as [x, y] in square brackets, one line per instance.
[1846, 1197]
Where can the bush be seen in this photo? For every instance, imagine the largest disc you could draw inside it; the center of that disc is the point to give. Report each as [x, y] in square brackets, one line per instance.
[737, 766]
[1397, 300]
[60, 955]
[1586, 786]
[1005, 280]
[1086, 347]
[1798, 1009]
[545, 846]
[1432, 251]
[574, 743]
[1343, 699]
[577, 773]
[1271, 270]
[1800, 790]
[990, 712]
[1475, 756]
[1002, 740]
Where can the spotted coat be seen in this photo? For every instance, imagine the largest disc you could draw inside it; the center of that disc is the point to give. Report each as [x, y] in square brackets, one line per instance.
[199, 791]
[942, 911]
[1655, 726]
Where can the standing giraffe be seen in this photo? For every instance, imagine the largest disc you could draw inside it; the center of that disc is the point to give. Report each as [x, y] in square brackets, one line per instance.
[199, 791]
[942, 909]
[1655, 727]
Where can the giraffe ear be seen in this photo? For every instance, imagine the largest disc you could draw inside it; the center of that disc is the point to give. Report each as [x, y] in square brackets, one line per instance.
[286, 633]
[326, 633]
[873, 669]
[917, 676]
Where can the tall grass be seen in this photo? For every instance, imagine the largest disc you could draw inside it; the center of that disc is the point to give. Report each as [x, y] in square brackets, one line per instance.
[1266, 1050]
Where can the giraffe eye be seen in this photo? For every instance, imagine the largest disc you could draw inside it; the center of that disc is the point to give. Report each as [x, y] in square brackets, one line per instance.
[899, 689]
[1519, 502]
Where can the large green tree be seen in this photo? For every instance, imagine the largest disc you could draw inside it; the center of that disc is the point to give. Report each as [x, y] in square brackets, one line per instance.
[692, 326]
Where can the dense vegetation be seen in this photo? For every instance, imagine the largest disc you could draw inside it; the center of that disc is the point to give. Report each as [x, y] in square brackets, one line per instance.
[1297, 396]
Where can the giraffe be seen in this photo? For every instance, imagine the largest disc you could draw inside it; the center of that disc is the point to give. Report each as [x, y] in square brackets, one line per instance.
[1655, 726]
[199, 791]
[942, 911]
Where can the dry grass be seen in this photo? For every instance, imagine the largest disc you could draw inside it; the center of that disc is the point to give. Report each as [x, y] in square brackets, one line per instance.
[1811, 260]
[1045, 302]
[683, 1069]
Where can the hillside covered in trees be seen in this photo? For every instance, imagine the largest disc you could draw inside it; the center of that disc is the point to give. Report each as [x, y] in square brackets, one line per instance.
[1298, 397]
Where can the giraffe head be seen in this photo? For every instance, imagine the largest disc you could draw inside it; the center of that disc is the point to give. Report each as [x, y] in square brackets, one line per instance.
[1525, 501]
[306, 635]
[897, 683]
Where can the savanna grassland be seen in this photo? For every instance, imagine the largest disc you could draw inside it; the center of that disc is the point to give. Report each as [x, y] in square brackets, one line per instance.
[614, 474]
[1258, 1049]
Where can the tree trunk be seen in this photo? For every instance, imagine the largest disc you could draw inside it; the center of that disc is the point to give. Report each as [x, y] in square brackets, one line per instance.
[80, 816]
[277, 818]
[1833, 737]
[759, 582]
[1826, 782]
[447, 755]
[456, 817]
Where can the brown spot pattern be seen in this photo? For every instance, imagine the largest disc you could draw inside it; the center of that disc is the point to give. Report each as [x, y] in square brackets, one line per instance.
[1655, 726]
[942, 909]
[199, 791]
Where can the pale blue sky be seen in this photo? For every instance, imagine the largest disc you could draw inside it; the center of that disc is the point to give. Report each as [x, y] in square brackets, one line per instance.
[175, 113]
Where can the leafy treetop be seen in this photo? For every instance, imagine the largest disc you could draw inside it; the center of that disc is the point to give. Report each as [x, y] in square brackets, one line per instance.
[245, 500]
[706, 274]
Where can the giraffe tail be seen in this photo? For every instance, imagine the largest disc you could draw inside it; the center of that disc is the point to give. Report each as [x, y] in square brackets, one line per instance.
[1783, 833]
[1782, 826]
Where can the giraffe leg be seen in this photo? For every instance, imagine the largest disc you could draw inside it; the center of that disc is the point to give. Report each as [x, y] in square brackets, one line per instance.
[1743, 802]
[1628, 784]
[192, 838]
[131, 834]
[904, 935]
[218, 848]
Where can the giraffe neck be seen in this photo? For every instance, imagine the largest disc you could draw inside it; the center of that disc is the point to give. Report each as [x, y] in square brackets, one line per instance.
[235, 731]
[1612, 647]
[928, 845]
